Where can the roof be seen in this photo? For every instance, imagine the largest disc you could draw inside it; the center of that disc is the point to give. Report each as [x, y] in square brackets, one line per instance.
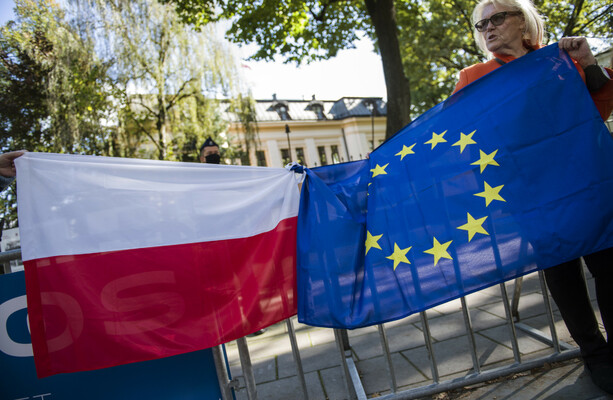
[313, 110]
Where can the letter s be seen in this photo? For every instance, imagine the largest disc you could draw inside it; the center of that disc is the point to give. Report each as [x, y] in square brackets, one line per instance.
[113, 302]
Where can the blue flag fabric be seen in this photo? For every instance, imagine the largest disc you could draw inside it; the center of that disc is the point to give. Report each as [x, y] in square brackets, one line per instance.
[510, 175]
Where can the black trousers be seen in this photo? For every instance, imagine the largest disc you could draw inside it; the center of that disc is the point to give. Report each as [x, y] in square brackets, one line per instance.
[568, 289]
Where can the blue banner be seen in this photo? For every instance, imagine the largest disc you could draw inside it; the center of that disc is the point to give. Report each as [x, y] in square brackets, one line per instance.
[187, 376]
[510, 175]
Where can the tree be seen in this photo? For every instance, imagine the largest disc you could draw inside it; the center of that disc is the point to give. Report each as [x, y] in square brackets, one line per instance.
[51, 89]
[158, 65]
[437, 39]
[51, 94]
[304, 31]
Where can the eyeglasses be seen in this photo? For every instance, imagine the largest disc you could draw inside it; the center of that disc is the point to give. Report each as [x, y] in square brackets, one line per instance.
[496, 20]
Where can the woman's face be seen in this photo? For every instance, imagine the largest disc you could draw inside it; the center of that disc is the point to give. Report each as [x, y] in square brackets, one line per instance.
[505, 38]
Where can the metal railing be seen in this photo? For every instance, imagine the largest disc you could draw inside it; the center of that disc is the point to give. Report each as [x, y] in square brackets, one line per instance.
[354, 387]
[6, 257]
[352, 380]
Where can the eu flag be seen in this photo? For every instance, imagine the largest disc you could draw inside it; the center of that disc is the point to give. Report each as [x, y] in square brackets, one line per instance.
[510, 175]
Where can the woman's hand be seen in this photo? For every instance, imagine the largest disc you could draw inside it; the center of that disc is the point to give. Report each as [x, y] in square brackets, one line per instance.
[7, 167]
[578, 49]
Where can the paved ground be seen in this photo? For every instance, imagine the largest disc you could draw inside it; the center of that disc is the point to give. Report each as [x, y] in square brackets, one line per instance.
[276, 378]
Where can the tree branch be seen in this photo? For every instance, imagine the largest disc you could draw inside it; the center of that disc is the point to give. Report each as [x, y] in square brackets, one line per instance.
[606, 12]
[179, 96]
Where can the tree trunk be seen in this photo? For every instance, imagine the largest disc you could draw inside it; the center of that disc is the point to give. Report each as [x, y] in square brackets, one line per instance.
[383, 16]
[161, 127]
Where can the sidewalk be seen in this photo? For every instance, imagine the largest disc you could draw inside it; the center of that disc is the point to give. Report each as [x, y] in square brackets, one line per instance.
[275, 370]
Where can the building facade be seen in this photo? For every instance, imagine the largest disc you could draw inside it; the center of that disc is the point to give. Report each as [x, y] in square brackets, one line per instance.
[313, 132]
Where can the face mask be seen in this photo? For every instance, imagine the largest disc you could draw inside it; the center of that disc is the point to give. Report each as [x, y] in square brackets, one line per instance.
[213, 158]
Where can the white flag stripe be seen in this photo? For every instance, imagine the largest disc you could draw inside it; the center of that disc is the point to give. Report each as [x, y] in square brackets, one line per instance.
[70, 204]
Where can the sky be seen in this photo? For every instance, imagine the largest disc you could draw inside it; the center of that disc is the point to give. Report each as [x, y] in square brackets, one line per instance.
[353, 72]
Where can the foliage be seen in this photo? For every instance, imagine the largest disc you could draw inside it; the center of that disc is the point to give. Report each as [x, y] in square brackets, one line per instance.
[299, 31]
[52, 97]
[592, 18]
[158, 65]
[437, 42]
[305, 31]
[51, 89]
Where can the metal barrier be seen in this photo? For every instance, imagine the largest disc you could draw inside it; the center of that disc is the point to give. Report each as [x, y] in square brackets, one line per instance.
[6, 257]
[352, 381]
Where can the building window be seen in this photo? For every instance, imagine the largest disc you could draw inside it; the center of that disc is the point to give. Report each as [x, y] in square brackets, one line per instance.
[335, 156]
[283, 113]
[285, 157]
[300, 156]
[282, 109]
[317, 107]
[322, 155]
[244, 157]
[261, 156]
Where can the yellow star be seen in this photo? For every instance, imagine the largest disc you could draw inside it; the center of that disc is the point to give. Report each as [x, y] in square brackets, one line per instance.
[436, 139]
[379, 170]
[490, 193]
[371, 241]
[399, 255]
[439, 251]
[473, 226]
[405, 150]
[465, 140]
[486, 159]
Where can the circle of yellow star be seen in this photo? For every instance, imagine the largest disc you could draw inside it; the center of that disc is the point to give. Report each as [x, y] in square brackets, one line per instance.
[489, 193]
[399, 255]
[405, 151]
[439, 251]
[436, 139]
[465, 140]
[486, 159]
[371, 241]
[379, 170]
[473, 226]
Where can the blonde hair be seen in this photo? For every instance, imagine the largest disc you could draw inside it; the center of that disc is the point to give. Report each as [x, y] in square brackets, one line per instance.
[535, 26]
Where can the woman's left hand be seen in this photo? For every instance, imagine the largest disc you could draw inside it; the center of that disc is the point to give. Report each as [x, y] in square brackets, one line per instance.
[7, 166]
[578, 48]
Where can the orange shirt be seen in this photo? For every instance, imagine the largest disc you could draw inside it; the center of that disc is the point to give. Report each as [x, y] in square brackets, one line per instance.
[603, 98]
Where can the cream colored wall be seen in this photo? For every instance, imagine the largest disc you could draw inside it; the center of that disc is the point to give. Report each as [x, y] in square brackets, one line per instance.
[309, 135]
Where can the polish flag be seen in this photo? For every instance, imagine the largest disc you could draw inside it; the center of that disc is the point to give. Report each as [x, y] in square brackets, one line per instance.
[130, 260]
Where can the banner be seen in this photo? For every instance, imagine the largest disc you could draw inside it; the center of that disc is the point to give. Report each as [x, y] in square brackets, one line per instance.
[132, 260]
[510, 175]
[186, 376]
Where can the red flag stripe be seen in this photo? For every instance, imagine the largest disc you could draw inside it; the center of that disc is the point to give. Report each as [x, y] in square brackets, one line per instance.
[97, 310]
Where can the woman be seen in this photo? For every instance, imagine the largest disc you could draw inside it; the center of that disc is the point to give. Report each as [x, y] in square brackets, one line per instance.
[507, 30]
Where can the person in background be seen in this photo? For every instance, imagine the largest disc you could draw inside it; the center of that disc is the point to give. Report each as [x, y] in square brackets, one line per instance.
[7, 168]
[209, 152]
[507, 30]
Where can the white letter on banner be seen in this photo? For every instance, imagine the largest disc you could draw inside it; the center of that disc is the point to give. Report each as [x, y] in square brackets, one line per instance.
[113, 302]
[7, 345]
[74, 316]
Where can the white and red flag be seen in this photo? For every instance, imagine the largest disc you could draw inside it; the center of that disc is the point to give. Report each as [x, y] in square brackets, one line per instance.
[129, 260]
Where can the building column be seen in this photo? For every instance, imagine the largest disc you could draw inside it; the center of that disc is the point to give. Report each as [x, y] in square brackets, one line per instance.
[274, 154]
[358, 145]
[311, 152]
